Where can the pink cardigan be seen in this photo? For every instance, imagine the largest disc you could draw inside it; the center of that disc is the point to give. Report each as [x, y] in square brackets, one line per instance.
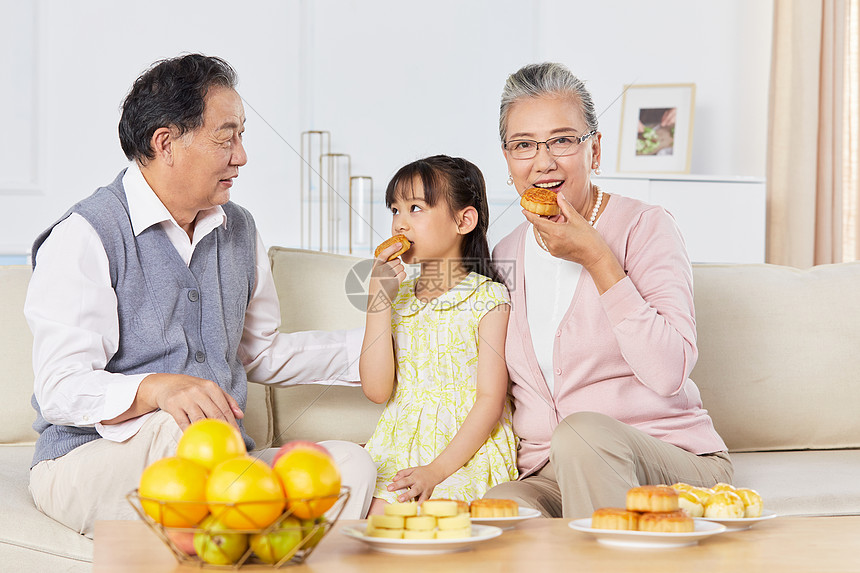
[627, 354]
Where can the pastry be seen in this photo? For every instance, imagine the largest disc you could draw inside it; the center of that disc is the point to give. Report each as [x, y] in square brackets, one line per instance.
[540, 202]
[700, 493]
[726, 505]
[717, 488]
[752, 501]
[419, 534]
[382, 532]
[667, 522]
[703, 494]
[439, 508]
[454, 533]
[439, 519]
[458, 521]
[387, 526]
[652, 498]
[614, 518]
[421, 522]
[691, 504]
[405, 509]
[386, 521]
[404, 246]
[681, 486]
[494, 508]
[462, 506]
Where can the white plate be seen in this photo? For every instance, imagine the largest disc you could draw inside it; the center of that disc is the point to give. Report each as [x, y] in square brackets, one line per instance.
[508, 522]
[422, 546]
[741, 523]
[646, 539]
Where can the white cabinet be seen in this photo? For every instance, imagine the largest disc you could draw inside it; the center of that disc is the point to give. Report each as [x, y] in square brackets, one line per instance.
[722, 219]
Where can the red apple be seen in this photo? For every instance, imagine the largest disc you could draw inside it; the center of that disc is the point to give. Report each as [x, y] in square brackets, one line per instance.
[299, 444]
[274, 546]
[183, 540]
[217, 545]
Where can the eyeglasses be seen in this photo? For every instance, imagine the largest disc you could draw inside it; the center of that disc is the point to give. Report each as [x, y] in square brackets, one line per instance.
[556, 146]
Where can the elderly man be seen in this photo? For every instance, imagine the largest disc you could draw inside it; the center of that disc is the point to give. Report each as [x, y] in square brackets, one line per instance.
[152, 305]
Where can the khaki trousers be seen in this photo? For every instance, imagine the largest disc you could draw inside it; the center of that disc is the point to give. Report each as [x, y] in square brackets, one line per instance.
[593, 461]
[90, 482]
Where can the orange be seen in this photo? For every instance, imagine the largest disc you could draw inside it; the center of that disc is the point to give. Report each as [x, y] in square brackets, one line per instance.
[245, 493]
[173, 492]
[308, 473]
[209, 442]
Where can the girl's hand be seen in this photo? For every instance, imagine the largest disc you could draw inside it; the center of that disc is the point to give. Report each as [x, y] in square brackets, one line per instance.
[376, 367]
[385, 280]
[418, 483]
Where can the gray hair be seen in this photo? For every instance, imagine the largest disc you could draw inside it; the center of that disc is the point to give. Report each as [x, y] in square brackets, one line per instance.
[171, 93]
[546, 79]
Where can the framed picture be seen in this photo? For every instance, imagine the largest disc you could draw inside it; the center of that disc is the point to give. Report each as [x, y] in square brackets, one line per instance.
[656, 128]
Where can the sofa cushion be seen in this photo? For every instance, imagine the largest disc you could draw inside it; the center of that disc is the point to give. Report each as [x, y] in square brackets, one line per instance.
[30, 535]
[318, 412]
[16, 366]
[258, 415]
[802, 482]
[778, 362]
[321, 291]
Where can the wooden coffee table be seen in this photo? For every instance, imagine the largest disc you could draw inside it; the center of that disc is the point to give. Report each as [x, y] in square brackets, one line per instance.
[783, 544]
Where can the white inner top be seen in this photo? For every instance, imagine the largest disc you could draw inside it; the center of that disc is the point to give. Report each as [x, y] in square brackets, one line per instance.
[547, 299]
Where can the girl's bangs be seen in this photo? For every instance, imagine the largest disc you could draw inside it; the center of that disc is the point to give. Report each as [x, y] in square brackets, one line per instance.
[402, 185]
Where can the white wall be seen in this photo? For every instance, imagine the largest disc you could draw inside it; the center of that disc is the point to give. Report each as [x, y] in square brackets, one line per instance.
[392, 81]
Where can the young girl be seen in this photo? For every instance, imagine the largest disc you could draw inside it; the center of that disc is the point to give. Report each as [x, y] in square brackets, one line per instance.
[434, 345]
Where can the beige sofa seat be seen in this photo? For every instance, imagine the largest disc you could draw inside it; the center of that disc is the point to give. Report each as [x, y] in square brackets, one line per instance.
[779, 372]
[803, 482]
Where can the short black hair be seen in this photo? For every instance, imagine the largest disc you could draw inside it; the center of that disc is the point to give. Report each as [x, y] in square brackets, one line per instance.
[170, 93]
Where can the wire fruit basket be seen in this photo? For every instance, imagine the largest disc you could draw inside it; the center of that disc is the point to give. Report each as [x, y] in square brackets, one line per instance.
[289, 540]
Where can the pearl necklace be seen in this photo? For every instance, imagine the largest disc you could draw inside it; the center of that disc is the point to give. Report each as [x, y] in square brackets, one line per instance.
[591, 221]
[594, 211]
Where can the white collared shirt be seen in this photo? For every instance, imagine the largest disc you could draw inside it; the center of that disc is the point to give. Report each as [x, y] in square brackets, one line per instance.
[72, 311]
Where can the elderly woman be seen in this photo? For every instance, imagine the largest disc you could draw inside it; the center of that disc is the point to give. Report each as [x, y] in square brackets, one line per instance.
[602, 333]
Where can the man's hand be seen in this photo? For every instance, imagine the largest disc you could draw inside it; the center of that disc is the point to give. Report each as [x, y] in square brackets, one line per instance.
[187, 399]
[418, 483]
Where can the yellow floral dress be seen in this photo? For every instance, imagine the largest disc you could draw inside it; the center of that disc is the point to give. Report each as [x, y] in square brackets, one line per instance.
[436, 351]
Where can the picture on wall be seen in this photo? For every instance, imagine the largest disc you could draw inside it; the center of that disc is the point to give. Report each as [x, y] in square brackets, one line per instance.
[656, 128]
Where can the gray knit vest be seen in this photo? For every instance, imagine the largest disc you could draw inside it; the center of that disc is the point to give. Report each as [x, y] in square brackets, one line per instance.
[173, 318]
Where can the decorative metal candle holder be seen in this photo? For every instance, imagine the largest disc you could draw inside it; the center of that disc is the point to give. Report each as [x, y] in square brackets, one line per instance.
[314, 144]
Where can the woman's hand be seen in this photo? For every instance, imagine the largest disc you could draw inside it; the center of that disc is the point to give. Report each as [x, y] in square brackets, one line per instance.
[418, 483]
[570, 237]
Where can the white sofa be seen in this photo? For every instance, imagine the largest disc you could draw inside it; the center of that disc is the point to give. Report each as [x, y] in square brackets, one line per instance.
[778, 369]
